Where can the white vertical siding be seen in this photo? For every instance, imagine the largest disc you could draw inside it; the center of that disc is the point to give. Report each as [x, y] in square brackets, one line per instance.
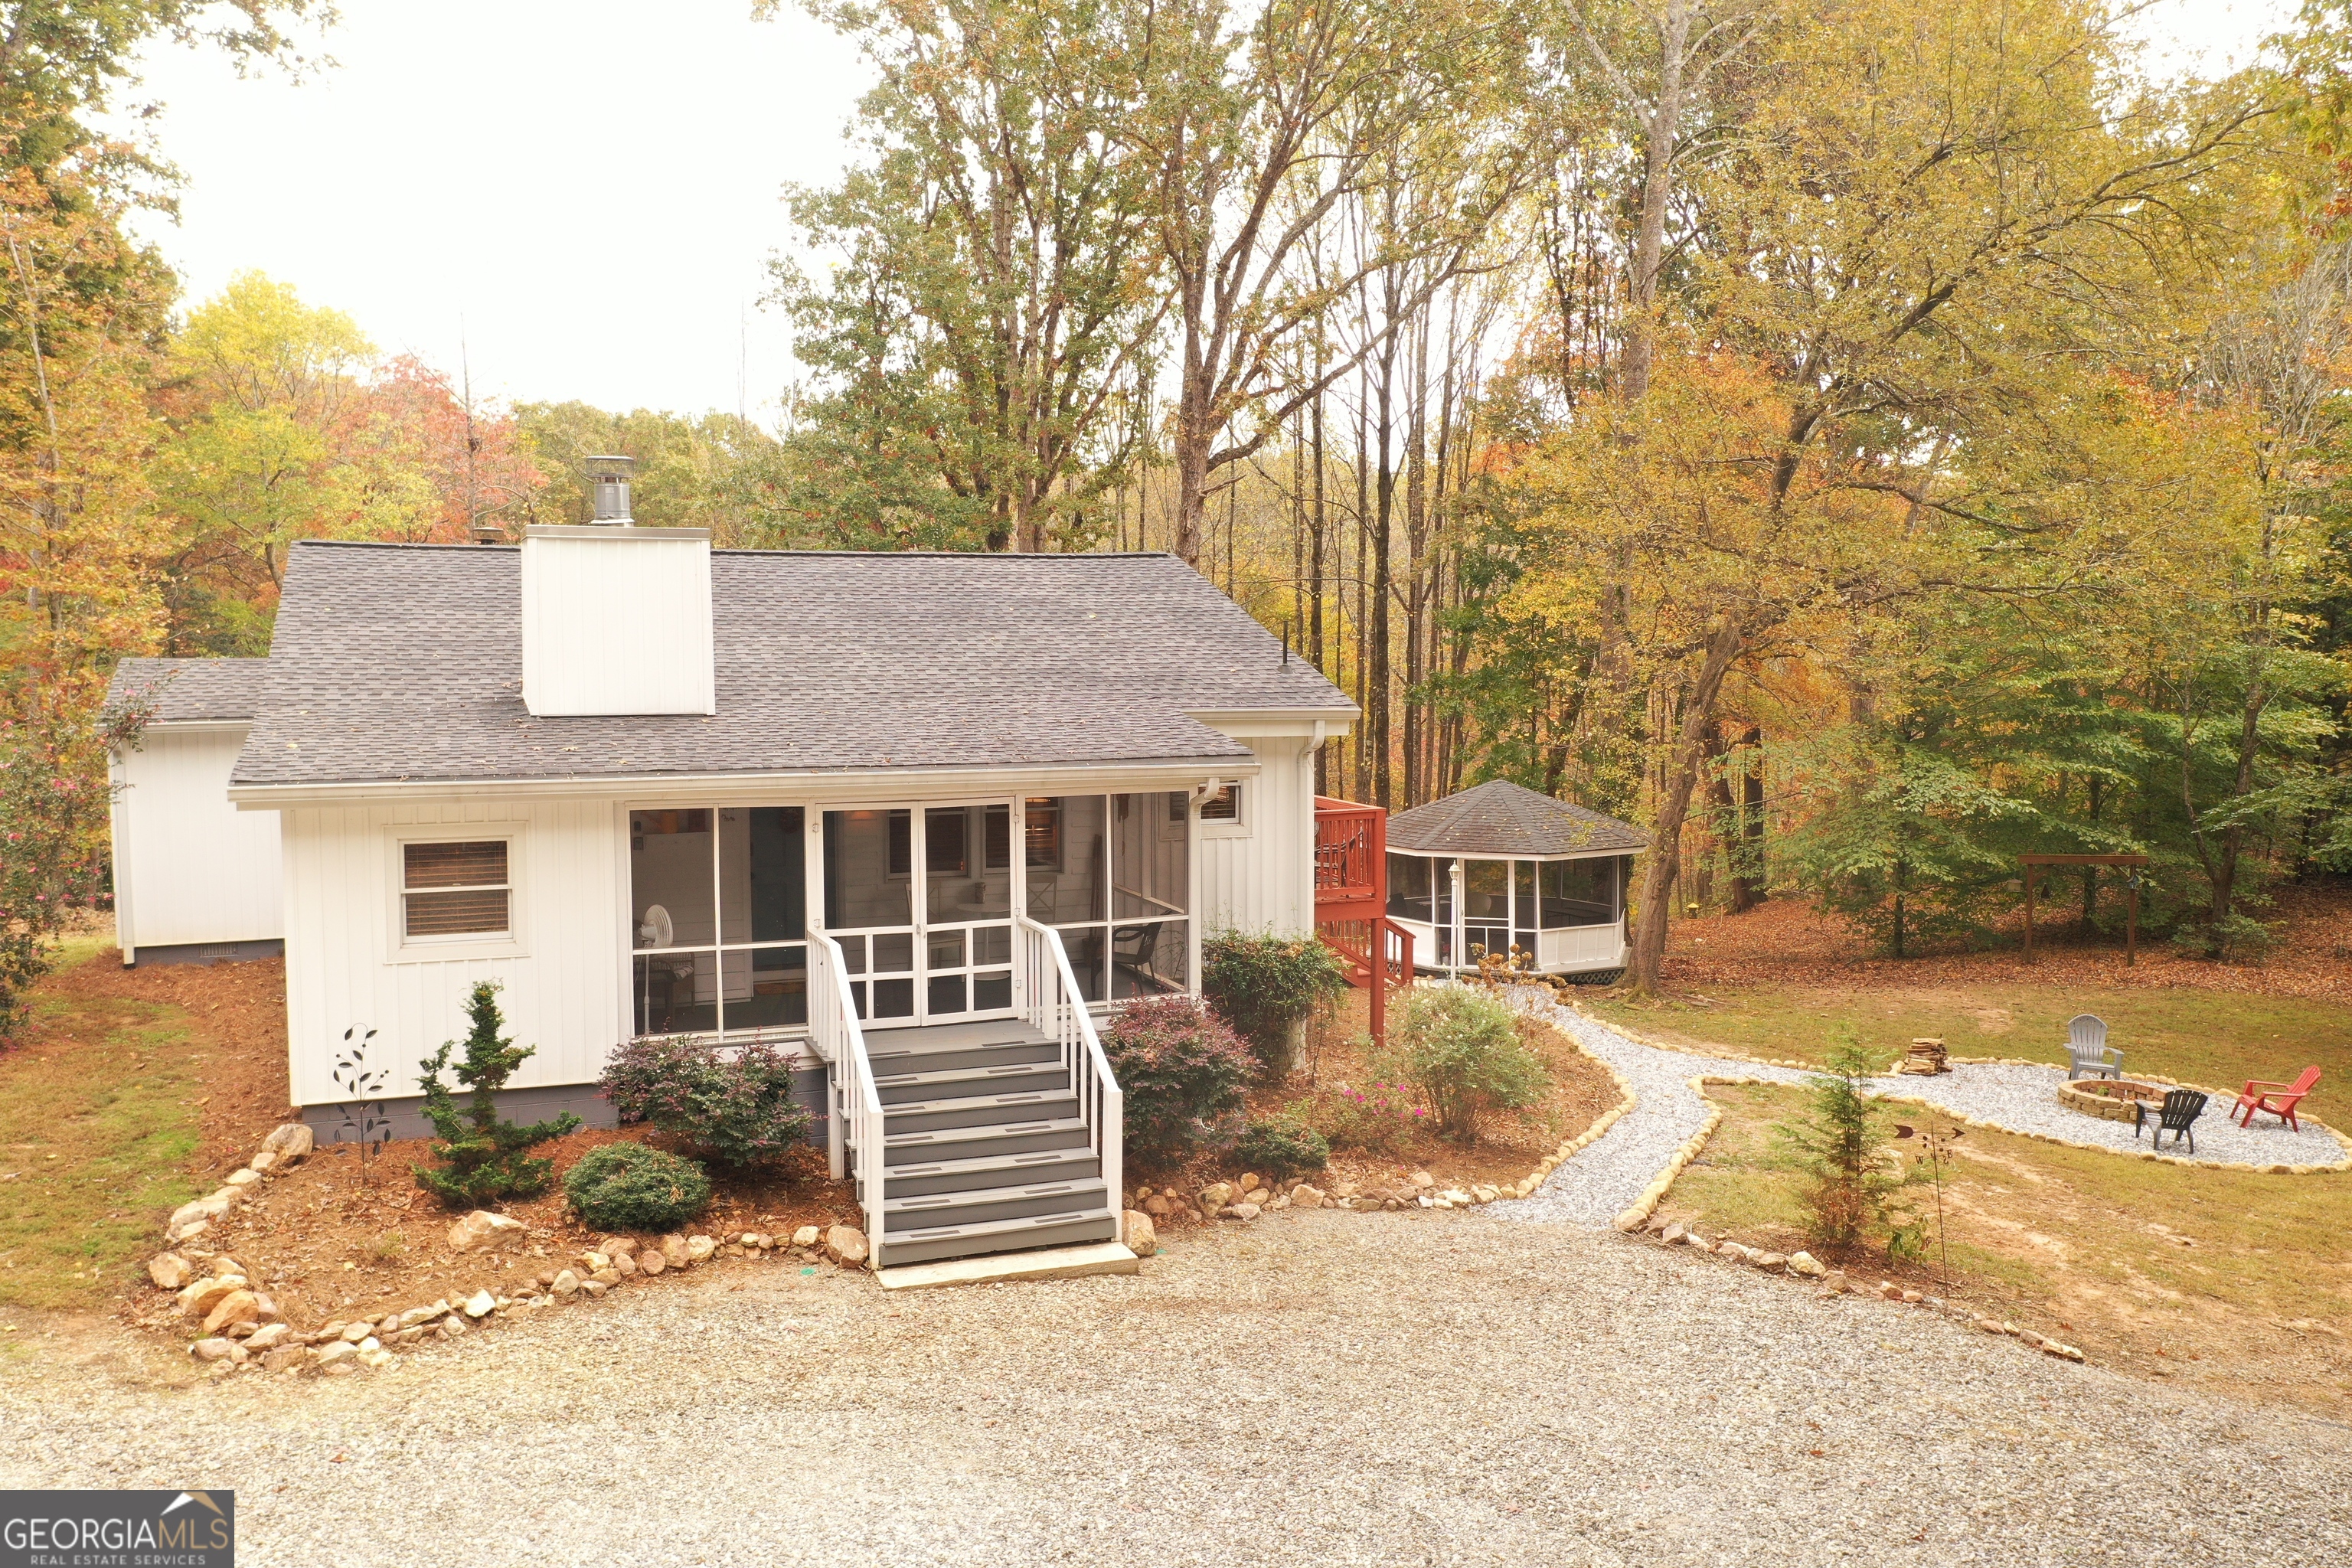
[564, 972]
[616, 620]
[190, 867]
[1263, 879]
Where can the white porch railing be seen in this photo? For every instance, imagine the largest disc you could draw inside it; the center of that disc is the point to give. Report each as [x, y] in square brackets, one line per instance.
[856, 1120]
[1050, 1001]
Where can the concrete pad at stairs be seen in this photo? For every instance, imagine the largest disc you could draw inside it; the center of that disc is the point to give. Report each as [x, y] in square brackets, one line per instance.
[1052, 1263]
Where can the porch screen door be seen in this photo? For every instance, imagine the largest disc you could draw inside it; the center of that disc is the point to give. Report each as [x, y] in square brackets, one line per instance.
[922, 903]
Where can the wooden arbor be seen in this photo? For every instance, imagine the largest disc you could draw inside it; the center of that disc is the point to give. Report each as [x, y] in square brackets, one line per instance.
[2131, 914]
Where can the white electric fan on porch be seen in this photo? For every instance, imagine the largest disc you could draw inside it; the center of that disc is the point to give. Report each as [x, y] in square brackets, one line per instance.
[656, 930]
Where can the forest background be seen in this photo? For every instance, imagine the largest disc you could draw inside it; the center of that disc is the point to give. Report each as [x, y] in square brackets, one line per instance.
[1860, 441]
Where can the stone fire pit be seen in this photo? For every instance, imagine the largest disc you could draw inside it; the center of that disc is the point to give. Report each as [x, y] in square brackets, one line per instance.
[2110, 1099]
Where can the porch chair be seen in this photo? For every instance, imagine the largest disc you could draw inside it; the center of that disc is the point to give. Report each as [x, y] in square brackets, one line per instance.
[2279, 1099]
[2177, 1116]
[2087, 1050]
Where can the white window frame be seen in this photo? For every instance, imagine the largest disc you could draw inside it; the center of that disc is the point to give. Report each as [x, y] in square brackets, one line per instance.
[508, 944]
[1238, 825]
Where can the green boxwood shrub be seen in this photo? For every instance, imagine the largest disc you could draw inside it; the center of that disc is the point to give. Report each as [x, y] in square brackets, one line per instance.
[1266, 985]
[1182, 1072]
[632, 1187]
[1282, 1147]
[1461, 1044]
[733, 1109]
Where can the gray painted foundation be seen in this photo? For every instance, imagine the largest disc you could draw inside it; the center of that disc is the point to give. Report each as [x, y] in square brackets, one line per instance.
[333, 1123]
[208, 952]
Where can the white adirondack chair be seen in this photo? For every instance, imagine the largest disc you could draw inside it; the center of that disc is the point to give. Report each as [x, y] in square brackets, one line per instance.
[2087, 1047]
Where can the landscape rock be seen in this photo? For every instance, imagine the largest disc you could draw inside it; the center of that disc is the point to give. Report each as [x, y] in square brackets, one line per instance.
[261, 1161]
[1423, 1179]
[280, 1357]
[604, 1279]
[291, 1142]
[453, 1327]
[595, 1262]
[1771, 1261]
[1248, 1181]
[625, 1263]
[243, 1178]
[566, 1286]
[480, 1304]
[845, 1244]
[334, 1354]
[1806, 1265]
[1674, 1233]
[1157, 1206]
[223, 1263]
[651, 1261]
[269, 1336]
[195, 1211]
[376, 1356]
[700, 1247]
[805, 1236]
[1135, 1228]
[1306, 1196]
[198, 1299]
[674, 1251]
[353, 1333]
[1216, 1196]
[594, 1288]
[169, 1271]
[481, 1226]
[236, 1307]
[416, 1315]
[212, 1350]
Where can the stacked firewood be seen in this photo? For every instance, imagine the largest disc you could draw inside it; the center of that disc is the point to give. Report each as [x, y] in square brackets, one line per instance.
[1926, 1058]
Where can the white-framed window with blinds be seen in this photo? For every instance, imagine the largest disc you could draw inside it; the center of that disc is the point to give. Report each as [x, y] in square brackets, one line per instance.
[455, 890]
[1224, 811]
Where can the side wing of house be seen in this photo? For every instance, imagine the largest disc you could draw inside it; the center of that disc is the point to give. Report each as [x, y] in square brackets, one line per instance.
[194, 877]
[1258, 841]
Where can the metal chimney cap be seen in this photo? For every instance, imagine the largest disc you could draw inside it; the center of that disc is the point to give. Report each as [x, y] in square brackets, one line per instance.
[608, 487]
[610, 461]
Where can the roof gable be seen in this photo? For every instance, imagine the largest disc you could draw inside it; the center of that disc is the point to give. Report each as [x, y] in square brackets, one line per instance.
[1499, 818]
[403, 663]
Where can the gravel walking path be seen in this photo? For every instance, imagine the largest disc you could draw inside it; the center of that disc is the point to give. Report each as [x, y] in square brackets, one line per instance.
[1311, 1389]
[1606, 1177]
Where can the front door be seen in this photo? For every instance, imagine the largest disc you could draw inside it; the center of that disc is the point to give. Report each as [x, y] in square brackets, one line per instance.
[921, 899]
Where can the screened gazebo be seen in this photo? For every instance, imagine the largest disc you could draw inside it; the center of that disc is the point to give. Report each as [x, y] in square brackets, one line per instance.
[1499, 866]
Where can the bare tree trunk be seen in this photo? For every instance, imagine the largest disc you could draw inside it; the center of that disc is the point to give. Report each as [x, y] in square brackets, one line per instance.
[1674, 806]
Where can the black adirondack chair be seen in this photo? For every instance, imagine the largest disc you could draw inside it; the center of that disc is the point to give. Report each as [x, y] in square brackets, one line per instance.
[2177, 1116]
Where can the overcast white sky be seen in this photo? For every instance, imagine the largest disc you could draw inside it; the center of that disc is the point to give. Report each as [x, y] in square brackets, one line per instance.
[591, 186]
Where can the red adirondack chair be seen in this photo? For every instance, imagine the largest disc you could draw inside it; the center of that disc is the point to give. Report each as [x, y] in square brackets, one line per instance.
[2279, 1099]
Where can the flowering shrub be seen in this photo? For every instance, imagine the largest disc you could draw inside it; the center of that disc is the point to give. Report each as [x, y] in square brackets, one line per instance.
[1378, 1118]
[1182, 1071]
[733, 1109]
[1461, 1046]
[628, 1186]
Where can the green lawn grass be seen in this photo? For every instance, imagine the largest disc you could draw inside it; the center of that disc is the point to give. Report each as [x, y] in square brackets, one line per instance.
[2213, 1037]
[2223, 1273]
[98, 1124]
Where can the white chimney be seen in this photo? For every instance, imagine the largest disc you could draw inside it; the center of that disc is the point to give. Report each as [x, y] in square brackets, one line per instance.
[617, 619]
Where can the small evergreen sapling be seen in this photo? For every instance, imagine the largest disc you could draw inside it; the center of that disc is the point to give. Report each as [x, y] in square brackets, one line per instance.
[1844, 1145]
[483, 1159]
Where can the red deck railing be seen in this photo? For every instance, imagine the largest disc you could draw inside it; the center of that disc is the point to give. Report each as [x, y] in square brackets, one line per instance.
[1351, 901]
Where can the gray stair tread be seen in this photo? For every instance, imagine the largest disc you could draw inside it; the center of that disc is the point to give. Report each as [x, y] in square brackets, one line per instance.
[882, 1043]
[1083, 1191]
[958, 1076]
[1013, 1103]
[996, 1227]
[1011, 1164]
[970, 1134]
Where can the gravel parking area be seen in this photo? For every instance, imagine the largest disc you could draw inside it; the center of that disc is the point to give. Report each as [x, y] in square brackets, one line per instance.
[1605, 1178]
[1312, 1388]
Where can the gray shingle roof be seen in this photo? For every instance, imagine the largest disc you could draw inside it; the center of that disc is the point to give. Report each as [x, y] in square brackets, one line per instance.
[1501, 819]
[188, 690]
[405, 663]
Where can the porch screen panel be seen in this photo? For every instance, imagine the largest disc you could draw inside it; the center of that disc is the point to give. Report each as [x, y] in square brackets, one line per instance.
[1579, 893]
[1409, 887]
[1487, 906]
[1152, 864]
[730, 880]
[670, 865]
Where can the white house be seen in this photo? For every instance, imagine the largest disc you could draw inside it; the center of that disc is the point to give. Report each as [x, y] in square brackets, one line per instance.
[921, 816]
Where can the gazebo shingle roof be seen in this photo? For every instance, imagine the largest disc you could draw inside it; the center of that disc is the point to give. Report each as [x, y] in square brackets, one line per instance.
[1500, 819]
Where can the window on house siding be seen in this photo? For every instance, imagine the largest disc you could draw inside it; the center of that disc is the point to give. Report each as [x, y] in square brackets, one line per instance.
[1225, 805]
[454, 889]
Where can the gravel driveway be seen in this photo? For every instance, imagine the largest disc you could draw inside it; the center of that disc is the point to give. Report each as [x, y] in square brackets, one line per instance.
[1312, 1388]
